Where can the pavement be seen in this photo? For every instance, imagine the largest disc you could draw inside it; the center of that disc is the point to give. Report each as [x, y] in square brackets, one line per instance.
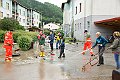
[28, 67]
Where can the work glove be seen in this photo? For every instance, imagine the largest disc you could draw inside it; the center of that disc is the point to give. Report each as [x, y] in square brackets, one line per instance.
[92, 55]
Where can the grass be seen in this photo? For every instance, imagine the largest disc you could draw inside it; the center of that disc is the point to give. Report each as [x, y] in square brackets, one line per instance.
[67, 40]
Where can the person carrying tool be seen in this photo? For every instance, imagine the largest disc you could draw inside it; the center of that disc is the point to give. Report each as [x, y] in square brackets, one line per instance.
[8, 44]
[62, 47]
[88, 43]
[101, 42]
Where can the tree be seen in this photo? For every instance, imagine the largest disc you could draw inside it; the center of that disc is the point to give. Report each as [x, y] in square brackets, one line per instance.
[10, 23]
[50, 12]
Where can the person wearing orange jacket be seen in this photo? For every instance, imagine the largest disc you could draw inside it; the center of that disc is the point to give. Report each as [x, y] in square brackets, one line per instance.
[8, 44]
[88, 43]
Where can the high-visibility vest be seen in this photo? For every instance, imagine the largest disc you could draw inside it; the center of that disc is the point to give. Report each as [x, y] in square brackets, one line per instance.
[8, 41]
[88, 39]
[58, 38]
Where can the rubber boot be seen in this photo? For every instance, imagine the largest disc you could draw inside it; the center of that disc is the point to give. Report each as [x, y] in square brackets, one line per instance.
[40, 54]
[43, 54]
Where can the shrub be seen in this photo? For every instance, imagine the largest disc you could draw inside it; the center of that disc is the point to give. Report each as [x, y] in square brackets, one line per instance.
[47, 32]
[2, 36]
[17, 34]
[33, 35]
[68, 40]
[24, 42]
[10, 24]
[61, 31]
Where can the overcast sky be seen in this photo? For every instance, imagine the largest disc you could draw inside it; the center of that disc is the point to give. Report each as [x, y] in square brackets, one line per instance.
[56, 2]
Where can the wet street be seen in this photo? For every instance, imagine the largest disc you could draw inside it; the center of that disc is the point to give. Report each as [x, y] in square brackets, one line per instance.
[28, 67]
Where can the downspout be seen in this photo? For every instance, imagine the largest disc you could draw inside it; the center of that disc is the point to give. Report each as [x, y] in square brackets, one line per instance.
[41, 20]
[72, 28]
[91, 16]
[91, 13]
[15, 10]
[31, 17]
[84, 17]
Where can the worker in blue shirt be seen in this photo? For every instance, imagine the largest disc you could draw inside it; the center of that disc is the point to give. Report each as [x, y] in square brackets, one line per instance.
[101, 42]
[51, 38]
[62, 47]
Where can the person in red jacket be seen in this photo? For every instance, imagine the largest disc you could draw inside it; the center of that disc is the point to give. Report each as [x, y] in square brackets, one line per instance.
[88, 43]
[8, 44]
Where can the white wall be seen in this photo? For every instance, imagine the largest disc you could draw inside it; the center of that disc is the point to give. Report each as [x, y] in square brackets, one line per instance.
[36, 17]
[88, 7]
[70, 11]
[66, 14]
[106, 7]
[79, 14]
[4, 10]
[22, 18]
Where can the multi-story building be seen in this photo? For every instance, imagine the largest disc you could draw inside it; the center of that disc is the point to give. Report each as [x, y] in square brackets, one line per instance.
[93, 15]
[5, 8]
[26, 17]
[33, 18]
[66, 19]
[36, 18]
[29, 18]
[19, 13]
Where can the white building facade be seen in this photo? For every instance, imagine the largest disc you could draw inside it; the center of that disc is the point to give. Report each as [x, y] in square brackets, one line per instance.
[26, 17]
[36, 18]
[22, 17]
[5, 8]
[86, 12]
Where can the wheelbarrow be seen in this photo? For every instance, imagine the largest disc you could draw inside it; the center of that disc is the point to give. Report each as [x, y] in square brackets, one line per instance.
[15, 50]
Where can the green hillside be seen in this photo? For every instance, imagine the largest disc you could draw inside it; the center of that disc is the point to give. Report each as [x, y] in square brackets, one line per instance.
[50, 12]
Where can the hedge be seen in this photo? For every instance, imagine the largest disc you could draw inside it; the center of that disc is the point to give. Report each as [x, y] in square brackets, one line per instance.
[2, 36]
[24, 34]
[24, 42]
[16, 34]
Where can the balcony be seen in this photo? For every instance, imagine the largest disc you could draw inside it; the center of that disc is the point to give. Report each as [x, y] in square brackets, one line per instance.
[13, 13]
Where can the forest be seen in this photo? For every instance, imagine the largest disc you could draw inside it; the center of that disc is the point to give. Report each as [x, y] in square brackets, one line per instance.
[50, 12]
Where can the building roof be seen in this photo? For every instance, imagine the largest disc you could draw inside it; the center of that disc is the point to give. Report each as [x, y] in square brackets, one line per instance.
[25, 6]
[113, 22]
[51, 26]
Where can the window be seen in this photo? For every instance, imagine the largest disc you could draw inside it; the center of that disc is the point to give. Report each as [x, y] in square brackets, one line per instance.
[80, 25]
[37, 16]
[1, 14]
[88, 23]
[7, 15]
[23, 13]
[34, 16]
[23, 20]
[76, 10]
[7, 5]
[80, 7]
[20, 11]
[75, 27]
[1, 3]
[19, 19]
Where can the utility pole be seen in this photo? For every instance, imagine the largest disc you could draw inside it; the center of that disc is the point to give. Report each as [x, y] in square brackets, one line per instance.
[41, 20]
[15, 9]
